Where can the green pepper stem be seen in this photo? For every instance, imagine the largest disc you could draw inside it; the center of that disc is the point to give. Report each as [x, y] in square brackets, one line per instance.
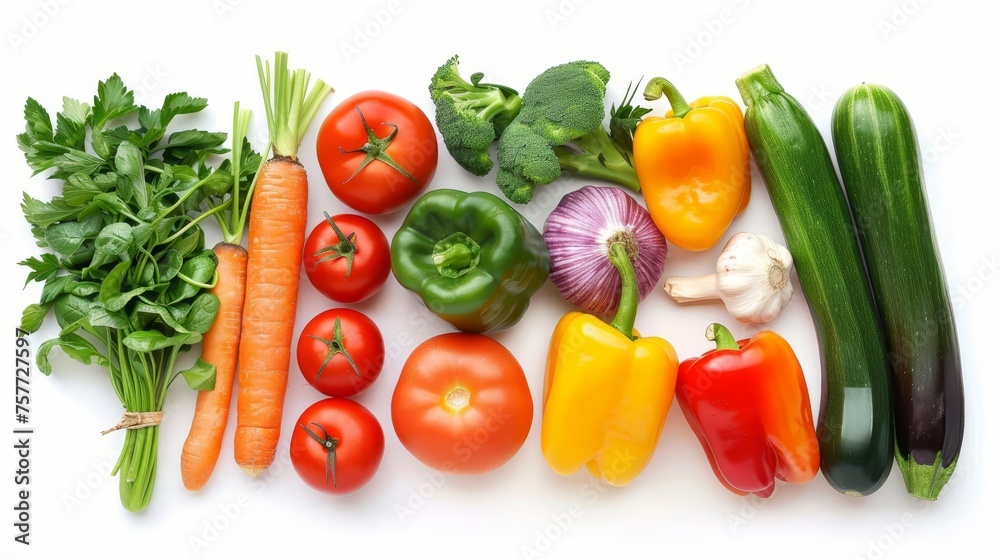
[658, 87]
[724, 340]
[456, 256]
[757, 83]
[628, 304]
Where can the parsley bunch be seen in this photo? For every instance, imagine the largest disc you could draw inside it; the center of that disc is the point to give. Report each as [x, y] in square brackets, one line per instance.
[126, 271]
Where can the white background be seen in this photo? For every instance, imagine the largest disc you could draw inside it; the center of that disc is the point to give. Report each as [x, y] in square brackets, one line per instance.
[940, 57]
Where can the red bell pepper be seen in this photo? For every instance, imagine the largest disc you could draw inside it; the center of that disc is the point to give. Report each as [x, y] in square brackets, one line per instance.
[748, 404]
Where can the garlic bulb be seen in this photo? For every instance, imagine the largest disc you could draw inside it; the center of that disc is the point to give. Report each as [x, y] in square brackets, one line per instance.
[751, 278]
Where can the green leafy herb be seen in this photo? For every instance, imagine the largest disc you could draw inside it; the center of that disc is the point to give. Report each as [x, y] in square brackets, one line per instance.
[125, 268]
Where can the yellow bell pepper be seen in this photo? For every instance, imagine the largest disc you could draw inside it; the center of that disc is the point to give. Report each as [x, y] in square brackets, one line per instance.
[607, 391]
[693, 166]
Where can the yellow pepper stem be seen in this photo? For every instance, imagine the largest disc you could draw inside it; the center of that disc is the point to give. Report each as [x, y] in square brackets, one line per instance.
[628, 303]
[658, 87]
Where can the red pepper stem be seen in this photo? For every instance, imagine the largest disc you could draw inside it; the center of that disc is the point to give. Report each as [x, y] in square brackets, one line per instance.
[628, 304]
[724, 340]
[658, 87]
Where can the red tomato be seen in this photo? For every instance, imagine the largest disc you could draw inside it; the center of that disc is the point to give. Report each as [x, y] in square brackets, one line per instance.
[337, 446]
[462, 404]
[349, 265]
[377, 151]
[340, 352]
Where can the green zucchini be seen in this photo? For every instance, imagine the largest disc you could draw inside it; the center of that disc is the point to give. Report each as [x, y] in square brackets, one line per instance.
[879, 161]
[855, 417]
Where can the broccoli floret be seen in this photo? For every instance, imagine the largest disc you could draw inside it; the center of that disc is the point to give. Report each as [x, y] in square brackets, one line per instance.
[471, 115]
[561, 122]
[565, 101]
[526, 159]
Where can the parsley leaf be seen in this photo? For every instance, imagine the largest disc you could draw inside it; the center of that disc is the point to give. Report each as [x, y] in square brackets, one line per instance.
[113, 100]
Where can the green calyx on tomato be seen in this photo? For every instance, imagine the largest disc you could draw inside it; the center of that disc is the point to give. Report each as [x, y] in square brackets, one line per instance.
[345, 247]
[347, 268]
[391, 129]
[376, 149]
[335, 346]
[340, 352]
[339, 448]
[330, 444]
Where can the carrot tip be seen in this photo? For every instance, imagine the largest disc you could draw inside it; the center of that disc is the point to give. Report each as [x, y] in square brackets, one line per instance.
[253, 471]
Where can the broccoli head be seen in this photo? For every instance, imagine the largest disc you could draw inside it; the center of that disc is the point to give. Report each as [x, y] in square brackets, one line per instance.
[471, 115]
[561, 127]
[565, 101]
[526, 159]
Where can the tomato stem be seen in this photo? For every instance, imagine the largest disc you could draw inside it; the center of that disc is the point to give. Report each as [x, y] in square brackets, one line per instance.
[345, 247]
[330, 443]
[375, 149]
[335, 346]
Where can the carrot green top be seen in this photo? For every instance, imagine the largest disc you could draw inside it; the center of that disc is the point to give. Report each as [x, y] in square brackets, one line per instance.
[290, 109]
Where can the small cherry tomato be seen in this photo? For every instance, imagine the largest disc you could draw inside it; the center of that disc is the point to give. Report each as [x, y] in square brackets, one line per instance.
[462, 404]
[346, 258]
[340, 352]
[337, 445]
[377, 151]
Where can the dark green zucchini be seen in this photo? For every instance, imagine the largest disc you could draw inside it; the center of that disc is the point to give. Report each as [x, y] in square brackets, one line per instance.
[879, 161]
[855, 417]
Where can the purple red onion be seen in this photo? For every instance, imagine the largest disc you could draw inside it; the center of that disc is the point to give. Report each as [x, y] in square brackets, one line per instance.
[578, 233]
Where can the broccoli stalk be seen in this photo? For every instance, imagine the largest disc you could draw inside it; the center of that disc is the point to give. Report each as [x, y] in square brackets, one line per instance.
[561, 128]
[597, 155]
[471, 115]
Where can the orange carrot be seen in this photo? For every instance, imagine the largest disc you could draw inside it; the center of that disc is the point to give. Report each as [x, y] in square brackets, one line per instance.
[276, 238]
[220, 345]
[219, 348]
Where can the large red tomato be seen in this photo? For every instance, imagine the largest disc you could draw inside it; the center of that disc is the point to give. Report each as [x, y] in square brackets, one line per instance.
[337, 445]
[462, 404]
[377, 151]
[340, 352]
[346, 258]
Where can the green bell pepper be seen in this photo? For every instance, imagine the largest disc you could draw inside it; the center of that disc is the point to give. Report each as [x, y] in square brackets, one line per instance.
[471, 258]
